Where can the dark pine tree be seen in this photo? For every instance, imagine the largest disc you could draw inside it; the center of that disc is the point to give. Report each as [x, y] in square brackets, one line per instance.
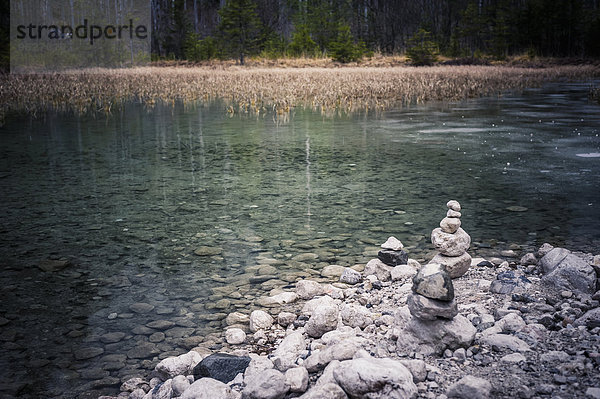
[240, 27]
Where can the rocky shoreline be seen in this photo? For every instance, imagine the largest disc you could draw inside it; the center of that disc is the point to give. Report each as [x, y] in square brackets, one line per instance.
[454, 328]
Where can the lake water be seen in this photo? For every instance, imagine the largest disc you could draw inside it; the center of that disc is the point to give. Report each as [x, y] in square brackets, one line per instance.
[127, 200]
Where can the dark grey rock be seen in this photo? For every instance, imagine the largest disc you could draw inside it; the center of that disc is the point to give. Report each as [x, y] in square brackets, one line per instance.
[87, 353]
[544, 249]
[393, 258]
[143, 350]
[507, 281]
[552, 259]
[470, 387]
[529, 259]
[431, 309]
[591, 319]
[350, 276]
[566, 271]
[221, 366]
[485, 263]
[433, 282]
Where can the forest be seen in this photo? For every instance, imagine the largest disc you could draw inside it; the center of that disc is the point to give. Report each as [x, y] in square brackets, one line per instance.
[348, 30]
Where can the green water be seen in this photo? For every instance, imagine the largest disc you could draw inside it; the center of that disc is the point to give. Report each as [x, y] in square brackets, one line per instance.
[128, 199]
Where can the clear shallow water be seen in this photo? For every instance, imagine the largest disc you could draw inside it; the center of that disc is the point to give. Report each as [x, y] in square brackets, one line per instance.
[127, 200]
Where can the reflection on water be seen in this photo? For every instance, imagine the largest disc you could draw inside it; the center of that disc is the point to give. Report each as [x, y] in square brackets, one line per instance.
[167, 220]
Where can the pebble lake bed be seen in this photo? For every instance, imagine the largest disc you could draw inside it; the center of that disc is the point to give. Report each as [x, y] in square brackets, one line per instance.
[144, 236]
[526, 328]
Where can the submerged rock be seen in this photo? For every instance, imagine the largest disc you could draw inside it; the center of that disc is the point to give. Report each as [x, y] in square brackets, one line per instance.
[208, 251]
[52, 265]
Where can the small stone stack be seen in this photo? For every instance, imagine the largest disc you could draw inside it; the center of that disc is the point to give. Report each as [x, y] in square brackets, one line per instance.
[452, 242]
[391, 253]
[433, 294]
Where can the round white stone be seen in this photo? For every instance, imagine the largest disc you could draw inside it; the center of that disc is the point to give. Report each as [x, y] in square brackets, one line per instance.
[235, 336]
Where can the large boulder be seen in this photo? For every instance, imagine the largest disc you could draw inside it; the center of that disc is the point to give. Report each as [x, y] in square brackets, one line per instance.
[323, 319]
[269, 384]
[221, 366]
[374, 378]
[566, 271]
[235, 336]
[297, 379]
[552, 258]
[450, 244]
[344, 350]
[208, 388]
[284, 357]
[315, 303]
[180, 365]
[432, 336]
[325, 391]
[257, 365]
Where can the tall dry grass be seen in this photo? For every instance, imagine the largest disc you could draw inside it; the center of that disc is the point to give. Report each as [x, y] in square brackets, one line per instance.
[269, 89]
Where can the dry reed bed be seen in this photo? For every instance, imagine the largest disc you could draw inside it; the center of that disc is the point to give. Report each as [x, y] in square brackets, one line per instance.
[264, 89]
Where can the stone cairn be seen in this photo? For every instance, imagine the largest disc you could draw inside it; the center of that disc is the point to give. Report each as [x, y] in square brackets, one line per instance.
[452, 242]
[391, 252]
[433, 294]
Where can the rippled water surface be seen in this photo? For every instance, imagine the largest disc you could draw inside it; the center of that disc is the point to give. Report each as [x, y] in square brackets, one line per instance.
[181, 216]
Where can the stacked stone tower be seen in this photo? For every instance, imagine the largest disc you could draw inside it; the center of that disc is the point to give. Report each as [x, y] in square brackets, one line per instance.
[452, 242]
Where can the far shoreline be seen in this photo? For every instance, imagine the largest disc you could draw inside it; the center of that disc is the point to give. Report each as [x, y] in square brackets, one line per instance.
[262, 88]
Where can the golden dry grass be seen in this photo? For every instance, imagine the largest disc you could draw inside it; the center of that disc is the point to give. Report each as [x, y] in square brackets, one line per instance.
[260, 89]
